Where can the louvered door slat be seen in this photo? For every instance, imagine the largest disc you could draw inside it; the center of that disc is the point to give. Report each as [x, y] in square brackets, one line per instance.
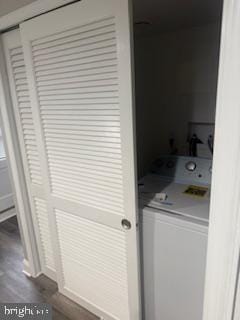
[78, 62]
[104, 36]
[16, 59]
[25, 117]
[29, 147]
[94, 83]
[99, 273]
[69, 55]
[90, 30]
[80, 75]
[60, 52]
[93, 66]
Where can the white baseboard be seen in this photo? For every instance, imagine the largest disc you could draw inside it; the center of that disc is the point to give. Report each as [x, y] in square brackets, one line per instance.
[26, 268]
[6, 201]
[50, 273]
[7, 214]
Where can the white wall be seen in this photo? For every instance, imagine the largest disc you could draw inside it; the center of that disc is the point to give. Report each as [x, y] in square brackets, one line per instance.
[7, 6]
[176, 79]
[6, 196]
[2, 149]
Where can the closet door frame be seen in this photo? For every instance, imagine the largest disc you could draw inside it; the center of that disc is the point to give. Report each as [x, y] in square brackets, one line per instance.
[222, 291]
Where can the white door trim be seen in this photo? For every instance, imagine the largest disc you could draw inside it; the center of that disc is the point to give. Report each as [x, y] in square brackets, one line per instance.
[16, 172]
[224, 235]
[236, 314]
[30, 11]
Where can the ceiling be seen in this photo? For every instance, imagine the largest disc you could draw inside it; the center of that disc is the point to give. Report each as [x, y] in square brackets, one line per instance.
[7, 6]
[165, 15]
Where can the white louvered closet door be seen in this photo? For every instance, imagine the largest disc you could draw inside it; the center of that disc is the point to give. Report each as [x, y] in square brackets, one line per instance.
[29, 150]
[78, 61]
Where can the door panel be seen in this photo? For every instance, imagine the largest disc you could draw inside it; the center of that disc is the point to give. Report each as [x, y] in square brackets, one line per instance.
[95, 255]
[79, 67]
[29, 148]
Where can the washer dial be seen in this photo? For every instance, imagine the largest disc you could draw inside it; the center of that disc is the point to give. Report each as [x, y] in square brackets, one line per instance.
[190, 166]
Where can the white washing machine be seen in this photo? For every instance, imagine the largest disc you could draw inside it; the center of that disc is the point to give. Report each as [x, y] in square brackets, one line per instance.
[174, 209]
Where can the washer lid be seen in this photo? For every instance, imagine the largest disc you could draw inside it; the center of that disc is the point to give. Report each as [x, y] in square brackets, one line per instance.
[184, 199]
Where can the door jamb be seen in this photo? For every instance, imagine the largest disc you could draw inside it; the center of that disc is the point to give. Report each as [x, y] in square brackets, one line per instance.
[224, 227]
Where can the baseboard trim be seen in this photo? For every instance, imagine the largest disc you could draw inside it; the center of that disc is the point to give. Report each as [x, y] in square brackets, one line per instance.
[27, 270]
[7, 214]
[50, 273]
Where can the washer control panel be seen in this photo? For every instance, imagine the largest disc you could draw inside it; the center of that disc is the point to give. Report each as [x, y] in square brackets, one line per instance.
[184, 169]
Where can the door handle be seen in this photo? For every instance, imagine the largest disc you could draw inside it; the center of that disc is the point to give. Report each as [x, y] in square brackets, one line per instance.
[126, 224]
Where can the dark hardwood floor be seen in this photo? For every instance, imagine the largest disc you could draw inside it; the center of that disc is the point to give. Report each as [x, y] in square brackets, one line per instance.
[16, 287]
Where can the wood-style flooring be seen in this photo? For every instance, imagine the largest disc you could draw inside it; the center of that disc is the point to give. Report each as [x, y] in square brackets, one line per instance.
[16, 287]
